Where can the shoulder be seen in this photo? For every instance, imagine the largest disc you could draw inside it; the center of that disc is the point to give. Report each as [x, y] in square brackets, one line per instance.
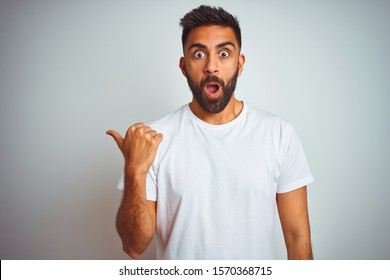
[266, 119]
[273, 129]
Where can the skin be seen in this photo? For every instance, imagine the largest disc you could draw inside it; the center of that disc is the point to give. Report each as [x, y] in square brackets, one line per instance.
[213, 63]
[294, 218]
[209, 50]
[136, 216]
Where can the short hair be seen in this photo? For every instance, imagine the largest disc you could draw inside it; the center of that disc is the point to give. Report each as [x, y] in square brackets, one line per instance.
[205, 16]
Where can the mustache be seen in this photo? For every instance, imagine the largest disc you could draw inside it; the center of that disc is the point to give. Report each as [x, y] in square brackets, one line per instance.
[212, 79]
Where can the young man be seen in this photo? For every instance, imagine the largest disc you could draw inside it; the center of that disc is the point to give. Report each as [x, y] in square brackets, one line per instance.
[207, 178]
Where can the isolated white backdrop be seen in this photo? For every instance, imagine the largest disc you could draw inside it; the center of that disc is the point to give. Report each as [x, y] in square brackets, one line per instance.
[70, 70]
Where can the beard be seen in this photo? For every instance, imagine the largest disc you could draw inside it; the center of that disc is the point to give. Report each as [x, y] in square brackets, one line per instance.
[217, 105]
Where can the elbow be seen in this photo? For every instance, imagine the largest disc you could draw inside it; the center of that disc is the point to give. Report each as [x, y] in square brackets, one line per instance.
[134, 249]
[132, 252]
[135, 240]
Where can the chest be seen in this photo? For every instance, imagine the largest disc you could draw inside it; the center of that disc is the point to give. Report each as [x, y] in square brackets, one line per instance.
[227, 166]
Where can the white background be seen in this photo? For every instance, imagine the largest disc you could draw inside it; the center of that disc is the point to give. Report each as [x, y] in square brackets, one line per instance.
[70, 70]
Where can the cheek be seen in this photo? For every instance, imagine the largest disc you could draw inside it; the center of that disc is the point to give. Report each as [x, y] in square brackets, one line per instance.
[229, 65]
[230, 71]
[195, 73]
[195, 67]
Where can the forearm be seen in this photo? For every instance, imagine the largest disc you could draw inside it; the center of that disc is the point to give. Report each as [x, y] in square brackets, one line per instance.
[134, 222]
[294, 218]
[299, 248]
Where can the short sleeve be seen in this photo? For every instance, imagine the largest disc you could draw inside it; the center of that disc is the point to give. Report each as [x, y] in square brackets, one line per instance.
[151, 184]
[121, 182]
[294, 171]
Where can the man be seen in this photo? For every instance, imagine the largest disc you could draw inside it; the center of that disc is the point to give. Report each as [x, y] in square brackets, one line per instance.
[206, 179]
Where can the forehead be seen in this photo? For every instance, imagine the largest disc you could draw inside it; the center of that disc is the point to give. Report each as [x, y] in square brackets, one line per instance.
[211, 36]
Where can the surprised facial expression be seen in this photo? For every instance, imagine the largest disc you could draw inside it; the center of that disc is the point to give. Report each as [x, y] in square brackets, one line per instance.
[212, 63]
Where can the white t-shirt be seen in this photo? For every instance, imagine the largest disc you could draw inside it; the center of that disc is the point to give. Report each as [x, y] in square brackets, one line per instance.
[216, 185]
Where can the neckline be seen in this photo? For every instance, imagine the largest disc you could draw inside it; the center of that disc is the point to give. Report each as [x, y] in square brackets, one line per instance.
[233, 122]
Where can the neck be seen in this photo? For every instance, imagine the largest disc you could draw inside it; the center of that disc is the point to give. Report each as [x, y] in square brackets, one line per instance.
[231, 111]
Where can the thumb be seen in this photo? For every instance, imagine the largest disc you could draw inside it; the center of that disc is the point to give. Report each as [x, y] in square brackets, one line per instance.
[117, 137]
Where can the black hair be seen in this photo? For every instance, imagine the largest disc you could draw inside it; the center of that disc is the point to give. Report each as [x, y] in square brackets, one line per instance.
[207, 15]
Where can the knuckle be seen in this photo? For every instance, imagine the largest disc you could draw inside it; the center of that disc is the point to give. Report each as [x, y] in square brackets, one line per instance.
[136, 126]
[129, 131]
[139, 131]
[157, 139]
[144, 130]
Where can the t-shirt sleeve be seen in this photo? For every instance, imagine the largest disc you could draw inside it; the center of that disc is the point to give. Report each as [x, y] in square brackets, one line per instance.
[294, 171]
[151, 184]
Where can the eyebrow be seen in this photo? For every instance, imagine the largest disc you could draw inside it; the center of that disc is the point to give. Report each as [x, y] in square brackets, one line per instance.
[224, 44]
[221, 45]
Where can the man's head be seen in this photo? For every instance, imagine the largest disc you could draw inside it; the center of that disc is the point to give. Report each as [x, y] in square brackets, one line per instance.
[206, 16]
[212, 60]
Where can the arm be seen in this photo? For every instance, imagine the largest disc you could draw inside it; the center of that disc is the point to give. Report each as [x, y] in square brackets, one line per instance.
[294, 218]
[136, 217]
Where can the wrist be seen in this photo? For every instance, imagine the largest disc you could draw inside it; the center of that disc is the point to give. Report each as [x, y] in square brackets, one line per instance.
[135, 171]
[135, 184]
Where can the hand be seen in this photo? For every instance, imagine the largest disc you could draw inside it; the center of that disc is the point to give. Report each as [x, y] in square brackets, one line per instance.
[139, 147]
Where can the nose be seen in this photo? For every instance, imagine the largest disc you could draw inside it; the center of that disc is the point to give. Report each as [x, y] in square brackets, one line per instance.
[211, 67]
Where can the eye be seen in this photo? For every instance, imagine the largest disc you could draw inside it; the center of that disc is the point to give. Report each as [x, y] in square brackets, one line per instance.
[224, 54]
[199, 54]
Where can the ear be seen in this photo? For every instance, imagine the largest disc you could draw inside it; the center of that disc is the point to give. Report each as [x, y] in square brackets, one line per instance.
[182, 65]
[241, 62]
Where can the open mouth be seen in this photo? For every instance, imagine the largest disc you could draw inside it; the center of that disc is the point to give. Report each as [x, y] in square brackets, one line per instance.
[212, 88]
